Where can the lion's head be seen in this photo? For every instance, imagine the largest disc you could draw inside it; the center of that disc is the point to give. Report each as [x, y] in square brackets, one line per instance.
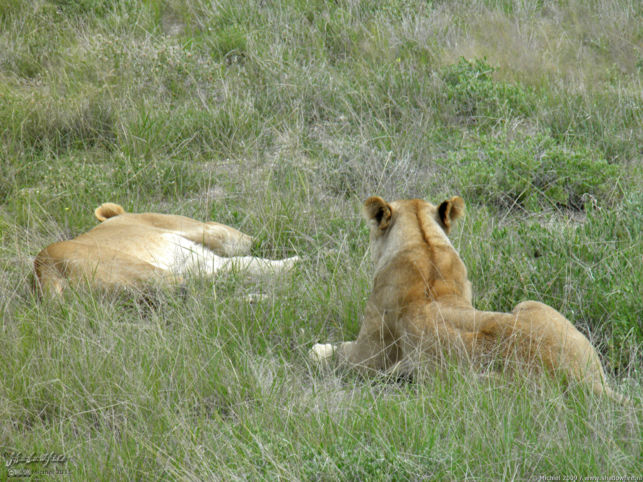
[413, 233]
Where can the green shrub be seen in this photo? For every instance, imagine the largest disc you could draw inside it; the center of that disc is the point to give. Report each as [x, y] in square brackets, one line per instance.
[473, 96]
[531, 172]
[608, 119]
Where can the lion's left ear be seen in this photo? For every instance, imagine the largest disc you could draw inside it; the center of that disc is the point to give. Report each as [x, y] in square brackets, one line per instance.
[378, 210]
[449, 211]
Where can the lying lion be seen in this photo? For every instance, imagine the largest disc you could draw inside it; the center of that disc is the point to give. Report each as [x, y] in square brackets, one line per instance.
[131, 250]
[420, 307]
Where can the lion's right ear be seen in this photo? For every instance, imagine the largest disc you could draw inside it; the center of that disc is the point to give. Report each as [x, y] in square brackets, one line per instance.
[449, 211]
[378, 210]
[108, 210]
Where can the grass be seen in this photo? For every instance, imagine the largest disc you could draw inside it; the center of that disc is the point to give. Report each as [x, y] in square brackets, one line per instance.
[279, 118]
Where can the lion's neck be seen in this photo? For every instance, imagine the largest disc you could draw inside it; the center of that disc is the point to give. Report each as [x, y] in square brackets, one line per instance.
[418, 274]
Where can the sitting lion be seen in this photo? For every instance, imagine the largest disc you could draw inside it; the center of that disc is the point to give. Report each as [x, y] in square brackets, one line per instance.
[131, 250]
[420, 307]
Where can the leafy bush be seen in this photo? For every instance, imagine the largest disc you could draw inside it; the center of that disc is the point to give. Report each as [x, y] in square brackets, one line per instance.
[531, 172]
[473, 96]
[609, 120]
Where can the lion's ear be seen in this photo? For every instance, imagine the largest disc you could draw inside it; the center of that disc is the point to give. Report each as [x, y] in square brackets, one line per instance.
[449, 211]
[378, 210]
[107, 210]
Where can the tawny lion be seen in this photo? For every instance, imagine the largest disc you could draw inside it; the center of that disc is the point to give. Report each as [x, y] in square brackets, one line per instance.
[421, 307]
[131, 250]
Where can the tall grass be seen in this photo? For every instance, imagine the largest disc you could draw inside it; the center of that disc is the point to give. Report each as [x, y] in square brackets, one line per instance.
[278, 118]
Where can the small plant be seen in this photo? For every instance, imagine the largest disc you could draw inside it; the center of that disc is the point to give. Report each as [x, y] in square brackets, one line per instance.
[229, 43]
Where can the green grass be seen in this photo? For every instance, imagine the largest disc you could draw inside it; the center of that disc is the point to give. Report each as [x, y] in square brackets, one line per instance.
[279, 118]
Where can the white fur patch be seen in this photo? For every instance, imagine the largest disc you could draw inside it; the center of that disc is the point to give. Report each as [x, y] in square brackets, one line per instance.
[320, 352]
[182, 255]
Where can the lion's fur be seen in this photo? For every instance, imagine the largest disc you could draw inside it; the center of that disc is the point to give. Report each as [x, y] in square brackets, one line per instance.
[131, 250]
[421, 306]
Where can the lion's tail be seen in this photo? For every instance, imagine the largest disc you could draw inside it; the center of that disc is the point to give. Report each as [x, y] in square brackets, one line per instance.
[108, 210]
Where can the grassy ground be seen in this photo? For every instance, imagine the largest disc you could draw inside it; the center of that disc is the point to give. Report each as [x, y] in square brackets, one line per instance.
[278, 118]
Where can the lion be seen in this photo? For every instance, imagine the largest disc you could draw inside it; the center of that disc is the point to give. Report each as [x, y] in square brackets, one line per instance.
[129, 250]
[420, 309]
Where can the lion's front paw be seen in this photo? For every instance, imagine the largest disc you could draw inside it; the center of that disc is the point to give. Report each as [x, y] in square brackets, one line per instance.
[321, 352]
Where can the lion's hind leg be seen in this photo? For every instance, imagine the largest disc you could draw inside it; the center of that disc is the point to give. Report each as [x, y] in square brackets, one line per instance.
[67, 262]
[48, 279]
[562, 348]
[223, 240]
